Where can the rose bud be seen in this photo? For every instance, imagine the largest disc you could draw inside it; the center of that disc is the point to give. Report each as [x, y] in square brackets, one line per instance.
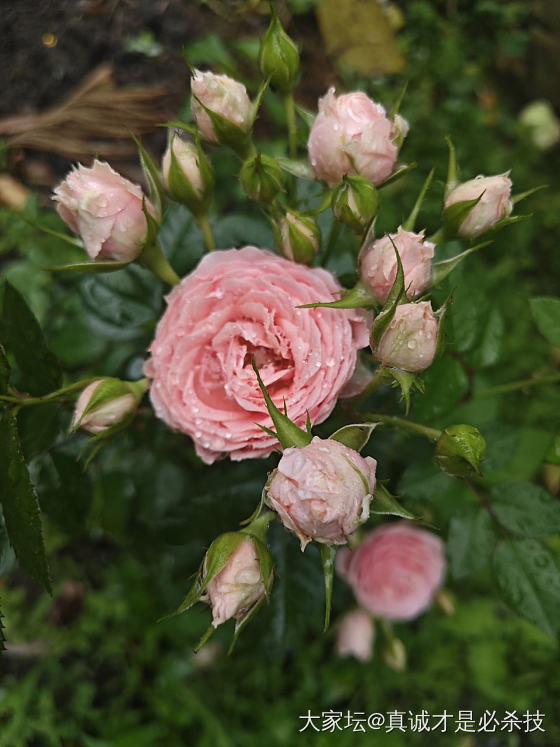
[397, 570]
[352, 135]
[322, 491]
[300, 237]
[378, 263]
[394, 655]
[105, 210]
[459, 450]
[279, 57]
[106, 403]
[187, 175]
[261, 177]
[355, 202]
[223, 96]
[355, 636]
[410, 340]
[238, 586]
[494, 204]
[542, 123]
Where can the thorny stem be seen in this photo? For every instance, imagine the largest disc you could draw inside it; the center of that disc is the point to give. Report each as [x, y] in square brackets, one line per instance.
[206, 228]
[289, 105]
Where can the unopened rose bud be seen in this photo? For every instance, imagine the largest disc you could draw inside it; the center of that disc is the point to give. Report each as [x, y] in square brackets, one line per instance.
[107, 402]
[300, 237]
[460, 450]
[187, 175]
[353, 135]
[279, 57]
[355, 202]
[238, 586]
[322, 491]
[105, 209]
[410, 340]
[355, 636]
[543, 124]
[395, 655]
[378, 263]
[224, 97]
[494, 204]
[261, 177]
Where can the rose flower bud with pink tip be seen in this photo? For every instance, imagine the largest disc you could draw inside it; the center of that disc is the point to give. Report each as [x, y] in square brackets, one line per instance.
[238, 586]
[494, 205]
[410, 340]
[106, 403]
[353, 135]
[355, 635]
[105, 209]
[322, 491]
[224, 96]
[397, 570]
[378, 263]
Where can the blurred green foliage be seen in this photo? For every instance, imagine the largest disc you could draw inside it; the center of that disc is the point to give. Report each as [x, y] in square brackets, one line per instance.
[107, 673]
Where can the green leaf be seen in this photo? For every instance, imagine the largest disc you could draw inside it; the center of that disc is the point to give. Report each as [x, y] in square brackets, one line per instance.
[489, 344]
[470, 542]
[529, 580]
[328, 553]
[301, 169]
[546, 313]
[39, 426]
[445, 383]
[19, 503]
[21, 335]
[385, 503]
[4, 371]
[525, 508]
[354, 436]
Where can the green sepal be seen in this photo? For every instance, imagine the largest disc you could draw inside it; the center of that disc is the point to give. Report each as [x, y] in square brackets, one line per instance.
[242, 622]
[256, 105]
[180, 188]
[90, 267]
[308, 425]
[260, 505]
[460, 450]
[183, 126]
[151, 172]
[384, 503]
[261, 177]
[452, 168]
[227, 132]
[441, 315]
[410, 222]
[287, 432]
[509, 220]
[397, 105]
[454, 215]
[72, 240]
[444, 267]
[396, 294]
[300, 168]
[328, 553]
[399, 172]
[360, 296]
[523, 195]
[408, 382]
[307, 115]
[205, 638]
[355, 436]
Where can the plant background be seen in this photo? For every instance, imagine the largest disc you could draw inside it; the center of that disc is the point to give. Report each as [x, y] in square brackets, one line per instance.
[91, 666]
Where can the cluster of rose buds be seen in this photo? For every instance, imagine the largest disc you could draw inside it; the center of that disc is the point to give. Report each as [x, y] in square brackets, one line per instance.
[246, 340]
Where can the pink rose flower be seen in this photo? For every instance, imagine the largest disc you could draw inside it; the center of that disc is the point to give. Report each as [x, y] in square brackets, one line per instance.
[105, 415]
[397, 570]
[322, 491]
[352, 135]
[494, 204]
[222, 95]
[238, 586]
[378, 263]
[105, 209]
[410, 340]
[236, 305]
[355, 635]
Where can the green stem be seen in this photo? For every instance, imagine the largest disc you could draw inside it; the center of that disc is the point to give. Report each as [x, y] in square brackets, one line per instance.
[153, 259]
[289, 105]
[408, 425]
[522, 384]
[331, 241]
[259, 526]
[206, 228]
[52, 395]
